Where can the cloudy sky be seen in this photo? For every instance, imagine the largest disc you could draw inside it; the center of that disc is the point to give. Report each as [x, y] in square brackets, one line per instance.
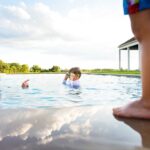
[67, 33]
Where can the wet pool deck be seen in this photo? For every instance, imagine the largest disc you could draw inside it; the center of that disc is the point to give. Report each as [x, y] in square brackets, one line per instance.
[79, 128]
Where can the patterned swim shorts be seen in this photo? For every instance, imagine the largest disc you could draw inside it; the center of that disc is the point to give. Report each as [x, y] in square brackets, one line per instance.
[133, 6]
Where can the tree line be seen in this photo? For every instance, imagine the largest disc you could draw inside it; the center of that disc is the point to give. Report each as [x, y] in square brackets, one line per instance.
[13, 68]
[24, 68]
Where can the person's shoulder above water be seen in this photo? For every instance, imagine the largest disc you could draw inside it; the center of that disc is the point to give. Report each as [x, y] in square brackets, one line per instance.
[74, 84]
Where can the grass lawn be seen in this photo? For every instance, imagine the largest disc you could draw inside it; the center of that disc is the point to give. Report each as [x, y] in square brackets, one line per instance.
[112, 71]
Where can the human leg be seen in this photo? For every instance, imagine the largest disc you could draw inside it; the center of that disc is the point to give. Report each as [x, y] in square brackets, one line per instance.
[140, 23]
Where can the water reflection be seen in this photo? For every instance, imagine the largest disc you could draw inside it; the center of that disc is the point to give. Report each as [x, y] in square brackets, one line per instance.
[74, 91]
[0, 94]
[41, 124]
[65, 128]
[140, 126]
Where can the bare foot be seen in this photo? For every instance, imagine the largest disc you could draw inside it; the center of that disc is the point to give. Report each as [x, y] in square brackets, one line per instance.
[134, 109]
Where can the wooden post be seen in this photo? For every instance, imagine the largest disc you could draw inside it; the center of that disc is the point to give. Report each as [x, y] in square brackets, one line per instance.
[120, 59]
[128, 49]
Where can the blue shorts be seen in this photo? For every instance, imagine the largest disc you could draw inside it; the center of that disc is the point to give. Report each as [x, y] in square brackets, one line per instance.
[134, 6]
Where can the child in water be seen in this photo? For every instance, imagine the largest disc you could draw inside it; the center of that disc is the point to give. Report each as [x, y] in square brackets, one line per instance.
[72, 78]
[25, 84]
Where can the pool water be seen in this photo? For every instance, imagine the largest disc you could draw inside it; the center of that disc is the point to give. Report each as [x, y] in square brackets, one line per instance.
[47, 90]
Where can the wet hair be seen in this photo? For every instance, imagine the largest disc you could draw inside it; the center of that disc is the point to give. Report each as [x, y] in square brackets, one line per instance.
[76, 71]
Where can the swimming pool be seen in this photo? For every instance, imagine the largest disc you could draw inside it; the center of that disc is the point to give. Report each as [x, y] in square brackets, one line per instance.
[47, 90]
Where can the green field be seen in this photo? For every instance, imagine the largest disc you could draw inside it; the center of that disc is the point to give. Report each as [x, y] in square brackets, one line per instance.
[112, 71]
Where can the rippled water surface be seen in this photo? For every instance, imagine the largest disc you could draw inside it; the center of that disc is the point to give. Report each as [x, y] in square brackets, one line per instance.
[47, 90]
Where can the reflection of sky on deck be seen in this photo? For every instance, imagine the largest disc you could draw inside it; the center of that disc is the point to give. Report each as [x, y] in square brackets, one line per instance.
[67, 127]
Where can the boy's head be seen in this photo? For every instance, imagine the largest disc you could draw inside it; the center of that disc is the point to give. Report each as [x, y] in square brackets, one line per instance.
[74, 73]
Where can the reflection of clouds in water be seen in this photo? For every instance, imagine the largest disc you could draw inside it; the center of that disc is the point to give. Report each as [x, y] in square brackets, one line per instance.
[0, 94]
[21, 130]
[0, 89]
[43, 123]
[82, 129]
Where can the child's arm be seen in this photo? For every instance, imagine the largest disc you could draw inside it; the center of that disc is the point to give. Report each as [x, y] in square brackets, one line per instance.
[66, 77]
[26, 81]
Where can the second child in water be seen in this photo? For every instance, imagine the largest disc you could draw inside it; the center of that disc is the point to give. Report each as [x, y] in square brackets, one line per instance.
[72, 78]
[25, 84]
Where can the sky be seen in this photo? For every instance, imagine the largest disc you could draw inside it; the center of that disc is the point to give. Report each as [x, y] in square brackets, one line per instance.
[67, 33]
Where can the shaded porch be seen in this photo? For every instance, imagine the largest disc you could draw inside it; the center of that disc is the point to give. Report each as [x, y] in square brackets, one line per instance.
[130, 45]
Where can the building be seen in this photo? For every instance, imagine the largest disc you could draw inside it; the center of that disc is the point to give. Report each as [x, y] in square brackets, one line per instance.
[131, 44]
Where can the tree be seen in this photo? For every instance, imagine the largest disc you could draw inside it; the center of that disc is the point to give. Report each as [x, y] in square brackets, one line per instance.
[55, 69]
[24, 68]
[13, 69]
[2, 66]
[35, 68]
[6, 68]
[17, 66]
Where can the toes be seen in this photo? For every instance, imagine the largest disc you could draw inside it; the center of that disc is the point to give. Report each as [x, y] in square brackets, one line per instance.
[116, 111]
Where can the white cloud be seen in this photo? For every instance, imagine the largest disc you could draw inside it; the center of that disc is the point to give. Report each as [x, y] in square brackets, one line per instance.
[15, 12]
[83, 32]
